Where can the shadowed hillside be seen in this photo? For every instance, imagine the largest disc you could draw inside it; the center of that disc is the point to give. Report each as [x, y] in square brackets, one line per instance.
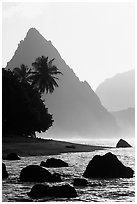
[76, 109]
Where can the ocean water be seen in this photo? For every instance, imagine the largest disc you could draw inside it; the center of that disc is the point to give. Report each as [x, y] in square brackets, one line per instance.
[122, 189]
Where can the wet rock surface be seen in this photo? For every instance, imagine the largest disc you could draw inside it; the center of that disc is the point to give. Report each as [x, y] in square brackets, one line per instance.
[80, 182]
[107, 166]
[4, 171]
[53, 163]
[64, 191]
[122, 143]
[12, 156]
[35, 173]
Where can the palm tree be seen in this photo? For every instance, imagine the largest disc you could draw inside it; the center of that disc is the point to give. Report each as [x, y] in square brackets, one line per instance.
[22, 73]
[43, 75]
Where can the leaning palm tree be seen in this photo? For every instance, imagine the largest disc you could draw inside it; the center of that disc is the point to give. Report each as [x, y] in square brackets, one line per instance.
[43, 75]
[22, 73]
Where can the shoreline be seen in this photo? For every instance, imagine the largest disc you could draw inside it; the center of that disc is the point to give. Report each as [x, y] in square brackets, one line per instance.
[41, 147]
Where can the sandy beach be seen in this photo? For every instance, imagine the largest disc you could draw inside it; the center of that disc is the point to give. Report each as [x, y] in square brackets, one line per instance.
[39, 147]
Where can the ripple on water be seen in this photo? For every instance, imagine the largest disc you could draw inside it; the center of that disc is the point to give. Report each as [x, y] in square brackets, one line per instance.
[108, 190]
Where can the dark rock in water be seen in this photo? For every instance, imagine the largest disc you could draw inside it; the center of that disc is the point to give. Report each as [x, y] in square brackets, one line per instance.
[56, 178]
[39, 191]
[4, 171]
[107, 166]
[80, 182]
[122, 143]
[43, 164]
[35, 173]
[12, 156]
[52, 162]
[65, 191]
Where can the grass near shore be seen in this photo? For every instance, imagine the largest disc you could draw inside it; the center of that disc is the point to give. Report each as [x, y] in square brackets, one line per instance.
[38, 147]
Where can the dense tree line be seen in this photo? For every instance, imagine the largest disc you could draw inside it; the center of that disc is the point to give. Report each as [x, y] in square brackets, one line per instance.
[23, 110]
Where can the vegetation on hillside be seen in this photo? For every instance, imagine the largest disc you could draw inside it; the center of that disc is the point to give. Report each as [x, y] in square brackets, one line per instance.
[24, 112]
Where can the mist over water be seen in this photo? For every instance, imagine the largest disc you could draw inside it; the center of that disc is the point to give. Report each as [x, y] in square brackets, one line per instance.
[108, 141]
[103, 142]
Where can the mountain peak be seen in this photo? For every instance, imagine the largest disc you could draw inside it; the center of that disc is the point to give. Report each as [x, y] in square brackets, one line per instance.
[32, 31]
[76, 108]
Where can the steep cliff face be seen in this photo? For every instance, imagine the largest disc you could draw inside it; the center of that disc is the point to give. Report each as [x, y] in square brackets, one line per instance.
[118, 93]
[76, 109]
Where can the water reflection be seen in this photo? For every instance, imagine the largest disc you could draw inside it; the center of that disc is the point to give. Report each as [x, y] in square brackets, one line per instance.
[109, 190]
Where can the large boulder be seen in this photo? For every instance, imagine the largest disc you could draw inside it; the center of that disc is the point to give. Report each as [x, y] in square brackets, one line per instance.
[4, 171]
[122, 143]
[64, 191]
[35, 173]
[80, 182]
[39, 191]
[52, 162]
[107, 166]
[12, 156]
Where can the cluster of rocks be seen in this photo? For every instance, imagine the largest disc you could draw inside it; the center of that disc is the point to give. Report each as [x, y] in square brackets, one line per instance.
[101, 167]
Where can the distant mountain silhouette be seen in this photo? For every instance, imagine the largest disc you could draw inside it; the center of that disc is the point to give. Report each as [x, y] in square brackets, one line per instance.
[126, 120]
[76, 109]
[118, 93]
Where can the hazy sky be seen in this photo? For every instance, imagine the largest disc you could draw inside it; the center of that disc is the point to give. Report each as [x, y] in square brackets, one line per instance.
[95, 39]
